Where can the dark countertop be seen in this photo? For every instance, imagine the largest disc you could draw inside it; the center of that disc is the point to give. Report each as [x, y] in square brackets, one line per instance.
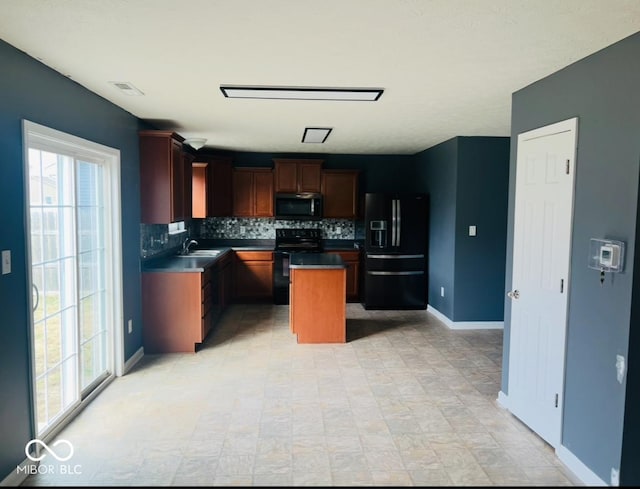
[179, 264]
[269, 244]
[323, 261]
[170, 262]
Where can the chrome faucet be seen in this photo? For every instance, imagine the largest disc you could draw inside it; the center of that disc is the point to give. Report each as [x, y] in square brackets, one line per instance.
[186, 244]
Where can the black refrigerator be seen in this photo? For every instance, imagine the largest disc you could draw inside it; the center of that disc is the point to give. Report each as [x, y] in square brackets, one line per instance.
[396, 251]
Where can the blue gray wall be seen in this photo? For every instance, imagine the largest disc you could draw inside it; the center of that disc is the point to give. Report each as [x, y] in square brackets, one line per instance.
[29, 90]
[603, 91]
[481, 200]
[467, 180]
[438, 171]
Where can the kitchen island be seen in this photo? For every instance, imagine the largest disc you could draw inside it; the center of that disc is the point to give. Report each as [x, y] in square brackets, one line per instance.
[317, 304]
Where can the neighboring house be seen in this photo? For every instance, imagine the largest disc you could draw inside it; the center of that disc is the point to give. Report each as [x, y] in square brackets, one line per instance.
[601, 430]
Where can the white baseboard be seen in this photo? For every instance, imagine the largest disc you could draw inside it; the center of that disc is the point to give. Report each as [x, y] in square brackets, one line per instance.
[581, 471]
[135, 358]
[465, 324]
[573, 463]
[19, 475]
[503, 400]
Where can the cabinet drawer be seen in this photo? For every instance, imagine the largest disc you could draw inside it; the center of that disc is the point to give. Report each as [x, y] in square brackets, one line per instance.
[255, 255]
[206, 276]
[207, 322]
[348, 255]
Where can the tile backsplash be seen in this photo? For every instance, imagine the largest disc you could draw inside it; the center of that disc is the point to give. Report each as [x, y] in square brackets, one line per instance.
[265, 228]
[155, 238]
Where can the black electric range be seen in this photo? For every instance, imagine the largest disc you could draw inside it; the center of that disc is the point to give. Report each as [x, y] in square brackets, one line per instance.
[306, 240]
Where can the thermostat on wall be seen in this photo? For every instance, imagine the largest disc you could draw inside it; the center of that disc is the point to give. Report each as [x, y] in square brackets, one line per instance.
[606, 255]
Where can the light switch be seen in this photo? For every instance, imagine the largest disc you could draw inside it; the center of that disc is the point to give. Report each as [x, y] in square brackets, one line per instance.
[472, 230]
[6, 262]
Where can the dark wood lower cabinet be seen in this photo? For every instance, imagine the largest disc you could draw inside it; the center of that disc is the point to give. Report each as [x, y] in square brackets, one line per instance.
[352, 260]
[225, 276]
[253, 276]
[177, 310]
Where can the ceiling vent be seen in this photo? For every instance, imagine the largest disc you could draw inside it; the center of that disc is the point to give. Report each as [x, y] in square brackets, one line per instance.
[126, 88]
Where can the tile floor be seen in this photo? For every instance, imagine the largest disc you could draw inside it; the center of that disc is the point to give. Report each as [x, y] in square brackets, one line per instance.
[405, 402]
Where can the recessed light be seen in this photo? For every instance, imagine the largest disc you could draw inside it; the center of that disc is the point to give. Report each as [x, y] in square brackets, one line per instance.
[126, 88]
[302, 93]
[316, 134]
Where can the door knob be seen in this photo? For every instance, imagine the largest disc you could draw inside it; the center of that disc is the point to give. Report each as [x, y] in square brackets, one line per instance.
[513, 294]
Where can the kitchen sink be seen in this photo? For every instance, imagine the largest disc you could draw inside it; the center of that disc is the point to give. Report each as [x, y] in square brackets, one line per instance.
[200, 253]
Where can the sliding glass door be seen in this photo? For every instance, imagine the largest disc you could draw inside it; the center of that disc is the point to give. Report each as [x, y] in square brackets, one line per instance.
[72, 272]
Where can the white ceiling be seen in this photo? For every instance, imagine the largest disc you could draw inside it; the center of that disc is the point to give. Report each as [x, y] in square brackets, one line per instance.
[448, 67]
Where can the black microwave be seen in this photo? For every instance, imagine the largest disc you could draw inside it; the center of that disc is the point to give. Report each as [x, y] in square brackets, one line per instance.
[298, 206]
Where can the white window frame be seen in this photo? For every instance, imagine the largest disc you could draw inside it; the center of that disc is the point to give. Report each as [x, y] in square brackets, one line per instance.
[61, 142]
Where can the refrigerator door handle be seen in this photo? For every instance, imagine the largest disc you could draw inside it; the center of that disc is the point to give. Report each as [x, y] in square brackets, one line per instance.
[393, 257]
[393, 222]
[398, 232]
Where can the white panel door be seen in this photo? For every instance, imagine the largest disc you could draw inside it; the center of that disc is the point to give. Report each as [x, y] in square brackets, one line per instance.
[541, 250]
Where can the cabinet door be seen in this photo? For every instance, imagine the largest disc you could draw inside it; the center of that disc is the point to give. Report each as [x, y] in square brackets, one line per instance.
[177, 187]
[340, 192]
[243, 203]
[253, 275]
[353, 281]
[297, 175]
[226, 279]
[285, 176]
[263, 193]
[309, 177]
[161, 177]
[219, 189]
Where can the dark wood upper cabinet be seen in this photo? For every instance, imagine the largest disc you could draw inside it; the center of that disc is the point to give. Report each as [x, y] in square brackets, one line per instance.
[162, 177]
[252, 192]
[211, 186]
[297, 175]
[263, 192]
[187, 185]
[219, 186]
[340, 193]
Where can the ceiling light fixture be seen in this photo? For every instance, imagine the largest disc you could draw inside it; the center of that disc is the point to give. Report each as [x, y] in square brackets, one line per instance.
[302, 93]
[126, 88]
[195, 143]
[316, 134]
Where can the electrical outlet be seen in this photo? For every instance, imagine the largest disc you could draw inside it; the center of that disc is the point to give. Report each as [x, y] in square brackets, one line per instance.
[441, 291]
[243, 229]
[472, 230]
[6, 262]
[130, 325]
[338, 230]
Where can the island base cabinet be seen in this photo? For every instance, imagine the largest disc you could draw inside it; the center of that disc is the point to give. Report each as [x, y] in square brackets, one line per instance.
[176, 311]
[317, 308]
